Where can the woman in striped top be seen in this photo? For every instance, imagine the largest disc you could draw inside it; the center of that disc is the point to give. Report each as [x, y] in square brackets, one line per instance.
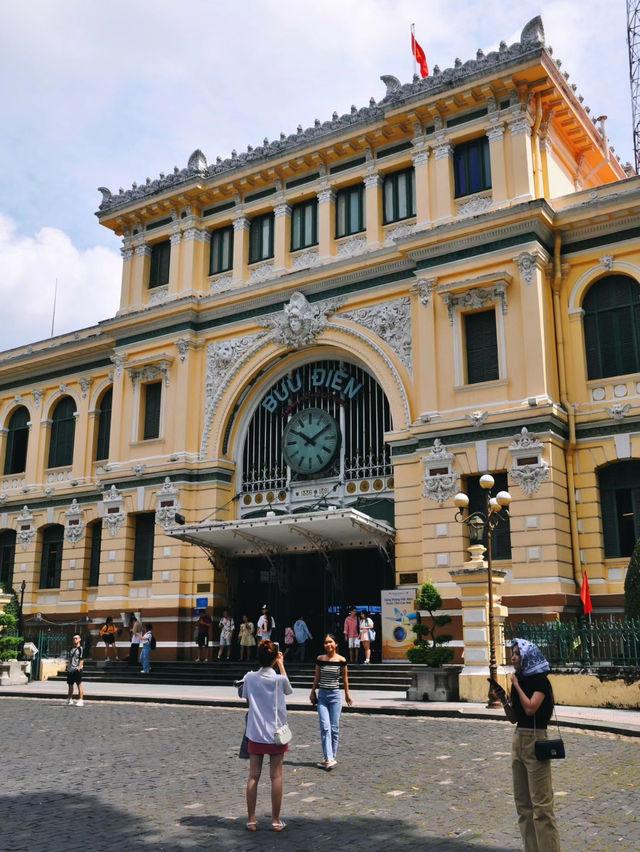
[325, 692]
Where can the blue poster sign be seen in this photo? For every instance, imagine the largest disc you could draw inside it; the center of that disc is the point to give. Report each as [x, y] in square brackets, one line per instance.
[202, 603]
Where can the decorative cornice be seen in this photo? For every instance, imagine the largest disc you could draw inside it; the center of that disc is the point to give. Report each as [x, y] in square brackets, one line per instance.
[325, 195]
[241, 223]
[476, 298]
[495, 133]
[373, 181]
[143, 251]
[420, 158]
[531, 44]
[443, 151]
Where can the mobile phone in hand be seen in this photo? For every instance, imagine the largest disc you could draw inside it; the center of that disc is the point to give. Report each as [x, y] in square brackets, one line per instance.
[276, 645]
[496, 686]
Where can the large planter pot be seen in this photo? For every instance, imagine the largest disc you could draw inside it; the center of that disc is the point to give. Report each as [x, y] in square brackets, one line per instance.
[13, 672]
[434, 684]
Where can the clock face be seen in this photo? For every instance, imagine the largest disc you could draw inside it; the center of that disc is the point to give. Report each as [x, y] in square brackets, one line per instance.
[310, 440]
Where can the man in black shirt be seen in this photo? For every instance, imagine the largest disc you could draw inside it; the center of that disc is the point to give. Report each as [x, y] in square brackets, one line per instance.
[74, 671]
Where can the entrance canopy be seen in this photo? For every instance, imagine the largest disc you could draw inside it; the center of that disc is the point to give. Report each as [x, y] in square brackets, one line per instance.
[329, 529]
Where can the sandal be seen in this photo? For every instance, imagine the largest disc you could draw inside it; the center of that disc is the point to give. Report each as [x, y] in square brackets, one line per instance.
[278, 826]
[253, 825]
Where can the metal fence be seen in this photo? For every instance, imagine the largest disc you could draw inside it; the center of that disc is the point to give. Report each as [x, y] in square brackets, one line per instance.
[599, 643]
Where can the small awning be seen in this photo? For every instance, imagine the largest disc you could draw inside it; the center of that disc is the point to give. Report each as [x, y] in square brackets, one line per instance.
[327, 530]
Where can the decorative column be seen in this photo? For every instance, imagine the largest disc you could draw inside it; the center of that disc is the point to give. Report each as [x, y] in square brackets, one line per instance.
[421, 169]
[499, 190]
[282, 237]
[443, 181]
[192, 266]
[140, 277]
[240, 249]
[326, 223]
[174, 261]
[373, 209]
[473, 580]
[522, 187]
[127, 274]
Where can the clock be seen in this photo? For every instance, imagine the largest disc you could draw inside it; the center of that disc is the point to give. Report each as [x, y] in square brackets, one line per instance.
[310, 440]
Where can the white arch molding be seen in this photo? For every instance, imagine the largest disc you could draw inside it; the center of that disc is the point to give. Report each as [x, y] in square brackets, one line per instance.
[330, 343]
[590, 276]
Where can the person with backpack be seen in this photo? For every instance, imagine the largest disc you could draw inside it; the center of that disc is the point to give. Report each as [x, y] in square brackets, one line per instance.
[148, 645]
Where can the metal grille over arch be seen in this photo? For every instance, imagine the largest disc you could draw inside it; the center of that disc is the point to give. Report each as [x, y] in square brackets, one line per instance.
[357, 403]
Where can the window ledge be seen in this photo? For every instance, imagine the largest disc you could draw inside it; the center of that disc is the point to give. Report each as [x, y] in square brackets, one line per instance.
[494, 383]
[147, 442]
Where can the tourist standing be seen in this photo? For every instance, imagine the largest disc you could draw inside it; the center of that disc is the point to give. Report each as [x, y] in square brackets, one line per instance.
[325, 692]
[263, 689]
[108, 633]
[302, 634]
[145, 654]
[247, 639]
[529, 707]
[227, 629]
[266, 624]
[74, 671]
[203, 628]
[135, 629]
[351, 632]
[365, 627]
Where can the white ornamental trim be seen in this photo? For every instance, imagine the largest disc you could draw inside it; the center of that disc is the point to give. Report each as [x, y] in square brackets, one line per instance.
[391, 321]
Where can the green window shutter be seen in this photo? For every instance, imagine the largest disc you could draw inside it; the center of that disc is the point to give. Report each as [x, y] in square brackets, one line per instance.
[7, 558]
[221, 257]
[94, 559]
[472, 166]
[304, 228]
[612, 327]
[482, 347]
[399, 196]
[152, 402]
[609, 524]
[143, 546]
[51, 558]
[63, 430]
[159, 266]
[15, 459]
[350, 212]
[104, 426]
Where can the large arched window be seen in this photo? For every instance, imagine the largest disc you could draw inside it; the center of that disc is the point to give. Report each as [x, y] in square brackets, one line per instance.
[104, 425]
[63, 430]
[612, 327]
[15, 458]
[620, 503]
[7, 557]
[51, 559]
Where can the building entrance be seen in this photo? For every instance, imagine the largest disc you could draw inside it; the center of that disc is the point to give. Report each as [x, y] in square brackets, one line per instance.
[309, 585]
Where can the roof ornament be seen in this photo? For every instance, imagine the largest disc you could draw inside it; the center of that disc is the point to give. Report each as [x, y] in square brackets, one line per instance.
[392, 83]
[197, 162]
[533, 32]
[106, 195]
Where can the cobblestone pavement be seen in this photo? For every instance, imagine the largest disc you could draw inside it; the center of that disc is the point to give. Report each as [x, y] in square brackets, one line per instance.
[149, 777]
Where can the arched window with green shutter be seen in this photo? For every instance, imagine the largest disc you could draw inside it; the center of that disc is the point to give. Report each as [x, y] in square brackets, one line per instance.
[63, 430]
[104, 425]
[612, 327]
[15, 458]
[620, 505]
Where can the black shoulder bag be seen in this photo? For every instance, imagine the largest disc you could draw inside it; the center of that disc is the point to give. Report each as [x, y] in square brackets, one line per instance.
[549, 749]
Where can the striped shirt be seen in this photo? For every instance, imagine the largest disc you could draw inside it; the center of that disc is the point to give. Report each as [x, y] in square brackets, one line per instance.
[330, 673]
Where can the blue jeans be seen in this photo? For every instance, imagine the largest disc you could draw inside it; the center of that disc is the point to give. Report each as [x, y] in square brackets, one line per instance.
[144, 657]
[329, 709]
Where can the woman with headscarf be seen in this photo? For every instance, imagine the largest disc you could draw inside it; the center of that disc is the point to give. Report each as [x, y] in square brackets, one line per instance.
[529, 707]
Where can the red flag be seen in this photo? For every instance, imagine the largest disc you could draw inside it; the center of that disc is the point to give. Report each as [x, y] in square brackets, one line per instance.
[419, 54]
[585, 597]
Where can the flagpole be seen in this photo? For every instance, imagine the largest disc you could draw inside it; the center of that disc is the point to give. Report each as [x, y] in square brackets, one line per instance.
[413, 51]
[55, 297]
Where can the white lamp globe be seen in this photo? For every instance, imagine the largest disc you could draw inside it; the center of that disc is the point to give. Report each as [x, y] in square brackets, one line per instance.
[487, 481]
[461, 500]
[503, 498]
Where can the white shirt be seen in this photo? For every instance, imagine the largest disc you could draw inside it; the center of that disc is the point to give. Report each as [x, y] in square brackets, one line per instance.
[260, 688]
[262, 624]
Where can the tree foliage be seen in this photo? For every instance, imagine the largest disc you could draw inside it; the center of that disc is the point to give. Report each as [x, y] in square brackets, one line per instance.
[428, 647]
[10, 644]
[632, 585]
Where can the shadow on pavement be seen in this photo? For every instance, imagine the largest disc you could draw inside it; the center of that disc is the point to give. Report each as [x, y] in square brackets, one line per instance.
[53, 822]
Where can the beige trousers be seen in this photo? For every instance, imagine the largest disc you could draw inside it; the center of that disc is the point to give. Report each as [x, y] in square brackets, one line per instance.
[533, 794]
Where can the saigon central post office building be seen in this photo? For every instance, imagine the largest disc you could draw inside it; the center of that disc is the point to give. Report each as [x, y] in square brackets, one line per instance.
[321, 341]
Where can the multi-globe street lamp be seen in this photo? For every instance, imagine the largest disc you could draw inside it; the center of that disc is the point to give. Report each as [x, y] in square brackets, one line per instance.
[495, 511]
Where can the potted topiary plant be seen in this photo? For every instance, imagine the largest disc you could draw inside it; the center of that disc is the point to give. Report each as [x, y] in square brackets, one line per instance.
[437, 681]
[11, 671]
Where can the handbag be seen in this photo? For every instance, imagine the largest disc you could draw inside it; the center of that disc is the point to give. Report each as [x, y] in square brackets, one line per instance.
[549, 749]
[243, 753]
[282, 734]
[372, 635]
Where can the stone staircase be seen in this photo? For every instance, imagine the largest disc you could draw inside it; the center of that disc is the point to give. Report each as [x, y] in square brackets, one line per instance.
[388, 677]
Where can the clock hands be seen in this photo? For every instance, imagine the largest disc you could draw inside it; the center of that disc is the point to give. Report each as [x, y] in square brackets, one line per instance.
[310, 441]
[324, 429]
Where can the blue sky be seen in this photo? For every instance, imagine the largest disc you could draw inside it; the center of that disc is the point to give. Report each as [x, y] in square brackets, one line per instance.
[107, 93]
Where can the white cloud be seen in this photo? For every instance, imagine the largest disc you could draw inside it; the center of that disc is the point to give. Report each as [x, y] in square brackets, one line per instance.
[88, 284]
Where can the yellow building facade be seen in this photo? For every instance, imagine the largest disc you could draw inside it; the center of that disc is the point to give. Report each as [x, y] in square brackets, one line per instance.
[353, 322]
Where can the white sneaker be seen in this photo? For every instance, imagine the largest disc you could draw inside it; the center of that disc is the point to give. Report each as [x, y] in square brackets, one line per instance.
[79, 703]
[331, 763]
[69, 702]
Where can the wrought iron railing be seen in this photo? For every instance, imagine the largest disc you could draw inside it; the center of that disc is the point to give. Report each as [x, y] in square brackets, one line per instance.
[600, 643]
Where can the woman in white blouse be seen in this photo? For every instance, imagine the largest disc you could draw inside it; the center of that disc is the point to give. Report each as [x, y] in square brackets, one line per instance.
[262, 689]
[366, 625]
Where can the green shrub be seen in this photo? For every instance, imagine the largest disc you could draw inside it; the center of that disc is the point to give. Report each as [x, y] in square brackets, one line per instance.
[10, 645]
[632, 585]
[428, 647]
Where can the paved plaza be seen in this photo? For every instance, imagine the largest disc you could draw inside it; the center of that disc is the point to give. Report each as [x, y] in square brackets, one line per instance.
[152, 777]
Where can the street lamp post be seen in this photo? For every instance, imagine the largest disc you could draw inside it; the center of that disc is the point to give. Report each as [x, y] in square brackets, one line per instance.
[23, 586]
[496, 510]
